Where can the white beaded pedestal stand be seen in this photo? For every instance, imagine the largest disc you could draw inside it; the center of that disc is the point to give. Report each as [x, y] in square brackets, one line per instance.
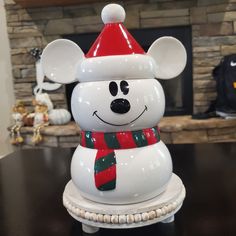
[95, 215]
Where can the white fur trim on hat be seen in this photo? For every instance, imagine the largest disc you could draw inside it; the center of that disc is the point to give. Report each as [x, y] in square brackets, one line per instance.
[135, 66]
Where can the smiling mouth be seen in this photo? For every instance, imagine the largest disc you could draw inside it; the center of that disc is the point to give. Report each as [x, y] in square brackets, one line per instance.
[95, 113]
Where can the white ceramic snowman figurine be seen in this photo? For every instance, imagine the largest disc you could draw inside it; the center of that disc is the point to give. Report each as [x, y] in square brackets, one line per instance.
[118, 104]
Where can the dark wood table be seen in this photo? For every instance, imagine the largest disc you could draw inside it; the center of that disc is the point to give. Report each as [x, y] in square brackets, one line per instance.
[32, 183]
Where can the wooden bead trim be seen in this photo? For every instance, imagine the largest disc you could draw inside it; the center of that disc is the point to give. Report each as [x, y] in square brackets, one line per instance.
[124, 219]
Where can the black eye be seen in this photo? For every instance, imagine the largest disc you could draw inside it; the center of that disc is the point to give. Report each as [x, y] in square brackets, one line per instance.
[124, 86]
[113, 88]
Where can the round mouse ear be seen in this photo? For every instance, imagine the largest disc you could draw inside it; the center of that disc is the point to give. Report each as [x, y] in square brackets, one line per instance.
[59, 60]
[170, 57]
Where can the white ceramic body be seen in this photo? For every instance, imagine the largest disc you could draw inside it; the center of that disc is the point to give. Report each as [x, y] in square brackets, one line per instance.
[142, 173]
[146, 98]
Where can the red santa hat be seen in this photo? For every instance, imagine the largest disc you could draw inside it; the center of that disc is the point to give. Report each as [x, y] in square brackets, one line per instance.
[114, 38]
[115, 54]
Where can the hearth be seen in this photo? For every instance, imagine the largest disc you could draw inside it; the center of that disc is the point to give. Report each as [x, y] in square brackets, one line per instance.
[178, 92]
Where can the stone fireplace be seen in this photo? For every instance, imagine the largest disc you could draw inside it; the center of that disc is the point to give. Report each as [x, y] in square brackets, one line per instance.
[212, 23]
[212, 26]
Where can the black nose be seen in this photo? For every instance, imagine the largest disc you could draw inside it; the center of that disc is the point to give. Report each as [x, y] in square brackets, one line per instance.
[120, 106]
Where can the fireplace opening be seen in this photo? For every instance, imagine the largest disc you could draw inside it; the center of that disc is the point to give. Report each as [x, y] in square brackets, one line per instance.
[178, 91]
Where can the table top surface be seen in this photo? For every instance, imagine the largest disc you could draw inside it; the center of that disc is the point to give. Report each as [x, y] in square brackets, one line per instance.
[32, 182]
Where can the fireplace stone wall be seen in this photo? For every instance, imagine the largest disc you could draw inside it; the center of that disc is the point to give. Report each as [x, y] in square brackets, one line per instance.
[213, 36]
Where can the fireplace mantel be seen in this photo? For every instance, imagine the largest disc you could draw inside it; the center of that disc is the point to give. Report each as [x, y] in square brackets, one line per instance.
[174, 130]
[46, 3]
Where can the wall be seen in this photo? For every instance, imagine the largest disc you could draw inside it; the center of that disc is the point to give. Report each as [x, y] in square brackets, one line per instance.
[213, 36]
[6, 87]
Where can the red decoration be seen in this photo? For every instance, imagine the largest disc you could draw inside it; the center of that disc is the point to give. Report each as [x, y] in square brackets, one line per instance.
[114, 40]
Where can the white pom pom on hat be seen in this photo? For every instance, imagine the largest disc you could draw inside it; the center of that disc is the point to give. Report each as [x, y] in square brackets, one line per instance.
[113, 13]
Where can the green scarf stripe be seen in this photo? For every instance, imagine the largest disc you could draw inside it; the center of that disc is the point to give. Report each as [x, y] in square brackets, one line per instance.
[156, 133]
[139, 138]
[88, 139]
[111, 140]
[108, 186]
[104, 162]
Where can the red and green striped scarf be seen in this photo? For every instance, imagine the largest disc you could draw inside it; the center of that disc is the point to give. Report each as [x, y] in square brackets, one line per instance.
[106, 143]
